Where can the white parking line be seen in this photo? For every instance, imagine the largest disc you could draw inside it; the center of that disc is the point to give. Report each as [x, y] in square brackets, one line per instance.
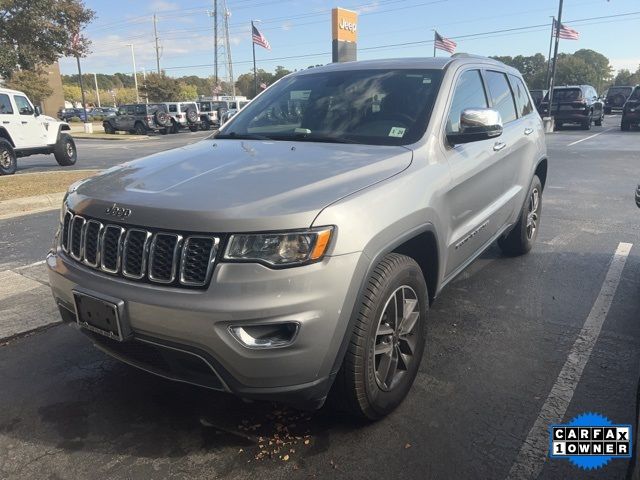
[587, 138]
[533, 453]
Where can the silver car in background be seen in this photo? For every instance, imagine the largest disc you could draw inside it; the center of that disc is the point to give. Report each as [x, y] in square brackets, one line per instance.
[294, 256]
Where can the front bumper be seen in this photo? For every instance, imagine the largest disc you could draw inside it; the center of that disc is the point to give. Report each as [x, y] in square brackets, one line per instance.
[631, 117]
[320, 297]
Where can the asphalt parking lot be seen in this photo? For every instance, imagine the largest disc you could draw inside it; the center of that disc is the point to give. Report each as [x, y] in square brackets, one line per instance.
[512, 344]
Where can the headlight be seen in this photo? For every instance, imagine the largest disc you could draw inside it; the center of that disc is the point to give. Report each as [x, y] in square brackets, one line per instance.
[280, 249]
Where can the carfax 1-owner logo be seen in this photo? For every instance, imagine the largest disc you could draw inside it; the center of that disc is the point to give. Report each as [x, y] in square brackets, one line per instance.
[590, 441]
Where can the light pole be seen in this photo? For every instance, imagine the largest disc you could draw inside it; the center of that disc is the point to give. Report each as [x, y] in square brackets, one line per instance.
[95, 80]
[135, 76]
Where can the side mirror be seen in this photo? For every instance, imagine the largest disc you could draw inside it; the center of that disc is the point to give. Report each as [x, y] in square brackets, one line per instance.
[477, 124]
[37, 112]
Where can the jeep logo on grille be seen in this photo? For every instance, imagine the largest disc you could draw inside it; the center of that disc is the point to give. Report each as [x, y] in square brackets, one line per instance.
[116, 211]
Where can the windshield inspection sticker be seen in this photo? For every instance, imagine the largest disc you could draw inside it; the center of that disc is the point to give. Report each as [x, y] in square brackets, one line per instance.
[397, 132]
[590, 441]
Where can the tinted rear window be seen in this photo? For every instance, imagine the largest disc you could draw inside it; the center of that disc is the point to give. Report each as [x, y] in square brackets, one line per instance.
[626, 91]
[566, 94]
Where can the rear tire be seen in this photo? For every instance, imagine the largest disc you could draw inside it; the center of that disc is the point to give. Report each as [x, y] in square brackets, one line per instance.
[65, 150]
[140, 129]
[625, 126]
[520, 240]
[8, 159]
[598, 122]
[387, 343]
[163, 131]
[174, 128]
[193, 128]
[607, 110]
[206, 125]
[586, 125]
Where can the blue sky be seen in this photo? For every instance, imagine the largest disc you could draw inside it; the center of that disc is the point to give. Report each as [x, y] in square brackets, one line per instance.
[299, 28]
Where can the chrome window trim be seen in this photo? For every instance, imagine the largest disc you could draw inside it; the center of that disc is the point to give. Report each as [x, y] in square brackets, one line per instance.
[212, 258]
[118, 255]
[98, 242]
[72, 228]
[174, 259]
[144, 257]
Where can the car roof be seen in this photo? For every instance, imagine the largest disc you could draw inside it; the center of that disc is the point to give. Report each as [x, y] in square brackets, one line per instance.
[8, 90]
[426, 63]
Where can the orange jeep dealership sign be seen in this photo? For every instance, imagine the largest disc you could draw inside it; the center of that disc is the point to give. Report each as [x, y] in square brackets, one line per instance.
[344, 25]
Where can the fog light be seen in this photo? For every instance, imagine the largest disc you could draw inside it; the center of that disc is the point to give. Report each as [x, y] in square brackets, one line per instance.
[270, 335]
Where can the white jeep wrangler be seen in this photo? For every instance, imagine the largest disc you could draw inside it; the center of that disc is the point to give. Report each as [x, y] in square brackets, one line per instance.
[25, 131]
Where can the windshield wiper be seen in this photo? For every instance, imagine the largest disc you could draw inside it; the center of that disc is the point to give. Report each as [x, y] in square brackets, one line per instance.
[321, 138]
[244, 136]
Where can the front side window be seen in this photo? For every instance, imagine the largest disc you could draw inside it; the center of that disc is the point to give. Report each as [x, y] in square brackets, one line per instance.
[131, 109]
[5, 105]
[469, 93]
[141, 110]
[23, 105]
[522, 99]
[501, 96]
[376, 107]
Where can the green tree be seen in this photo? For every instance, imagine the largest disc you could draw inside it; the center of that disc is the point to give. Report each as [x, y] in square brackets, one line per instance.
[600, 69]
[187, 92]
[34, 83]
[625, 77]
[34, 33]
[533, 68]
[245, 84]
[280, 72]
[160, 88]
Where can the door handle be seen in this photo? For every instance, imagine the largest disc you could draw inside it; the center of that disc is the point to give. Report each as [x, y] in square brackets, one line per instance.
[498, 146]
[24, 123]
[6, 122]
[528, 131]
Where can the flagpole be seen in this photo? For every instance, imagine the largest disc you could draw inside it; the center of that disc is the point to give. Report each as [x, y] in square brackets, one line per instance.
[555, 55]
[434, 43]
[553, 26]
[255, 72]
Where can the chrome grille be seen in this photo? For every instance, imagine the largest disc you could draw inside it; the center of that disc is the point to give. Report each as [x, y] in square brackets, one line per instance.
[140, 254]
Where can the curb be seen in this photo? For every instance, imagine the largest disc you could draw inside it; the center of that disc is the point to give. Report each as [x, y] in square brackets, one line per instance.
[27, 205]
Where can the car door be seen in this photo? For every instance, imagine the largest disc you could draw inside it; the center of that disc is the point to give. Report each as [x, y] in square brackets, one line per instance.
[31, 130]
[9, 118]
[119, 119]
[479, 188]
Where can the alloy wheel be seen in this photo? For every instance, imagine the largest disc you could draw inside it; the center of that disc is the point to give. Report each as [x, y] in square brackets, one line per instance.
[395, 341]
[533, 214]
[70, 150]
[5, 158]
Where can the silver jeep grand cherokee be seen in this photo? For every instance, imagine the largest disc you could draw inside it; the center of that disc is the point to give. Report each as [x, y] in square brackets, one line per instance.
[294, 256]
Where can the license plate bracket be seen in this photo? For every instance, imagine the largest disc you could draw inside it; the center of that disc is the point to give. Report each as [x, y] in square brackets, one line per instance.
[101, 314]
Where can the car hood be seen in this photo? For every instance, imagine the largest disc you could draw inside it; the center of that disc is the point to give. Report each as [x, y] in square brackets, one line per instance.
[236, 185]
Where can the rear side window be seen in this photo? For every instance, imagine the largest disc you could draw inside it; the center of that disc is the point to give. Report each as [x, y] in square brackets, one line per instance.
[469, 94]
[5, 105]
[173, 108]
[523, 102]
[185, 106]
[501, 95]
[24, 107]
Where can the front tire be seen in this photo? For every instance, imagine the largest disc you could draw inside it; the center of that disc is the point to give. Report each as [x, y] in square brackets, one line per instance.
[108, 128]
[8, 159]
[387, 342]
[521, 239]
[65, 150]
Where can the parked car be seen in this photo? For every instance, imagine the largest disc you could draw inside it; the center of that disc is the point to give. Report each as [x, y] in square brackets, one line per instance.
[235, 108]
[139, 118]
[615, 98]
[103, 112]
[184, 115]
[631, 111]
[574, 104]
[24, 131]
[210, 113]
[66, 114]
[537, 95]
[296, 257]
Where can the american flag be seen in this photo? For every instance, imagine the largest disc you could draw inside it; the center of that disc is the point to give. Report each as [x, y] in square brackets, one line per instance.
[565, 32]
[445, 44]
[259, 39]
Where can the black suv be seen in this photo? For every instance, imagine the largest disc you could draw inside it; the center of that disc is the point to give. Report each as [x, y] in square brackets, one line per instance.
[615, 98]
[538, 96]
[574, 104]
[139, 118]
[631, 110]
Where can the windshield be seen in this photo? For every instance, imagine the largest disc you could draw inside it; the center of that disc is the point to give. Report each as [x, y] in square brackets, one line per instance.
[613, 91]
[378, 107]
[566, 94]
